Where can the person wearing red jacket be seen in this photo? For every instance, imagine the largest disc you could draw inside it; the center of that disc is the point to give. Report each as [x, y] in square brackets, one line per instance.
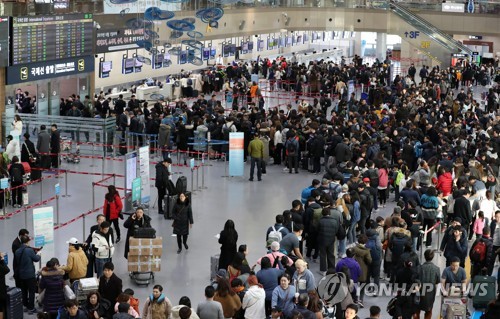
[444, 182]
[113, 208]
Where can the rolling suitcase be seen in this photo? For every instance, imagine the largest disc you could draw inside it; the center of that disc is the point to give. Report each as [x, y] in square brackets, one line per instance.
[486, 291]
[477, 314]
[14, 303]
[214, 266]
[168, 205]
[123, 148]
[181, 184]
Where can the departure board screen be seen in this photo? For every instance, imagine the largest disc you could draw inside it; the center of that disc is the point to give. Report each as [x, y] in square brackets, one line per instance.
[4, 41]
[44, 38]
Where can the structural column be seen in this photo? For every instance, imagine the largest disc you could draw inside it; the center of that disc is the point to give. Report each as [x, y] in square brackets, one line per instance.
[381, 46]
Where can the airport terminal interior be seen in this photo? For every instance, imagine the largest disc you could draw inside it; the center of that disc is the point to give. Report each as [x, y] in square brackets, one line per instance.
[117, 46]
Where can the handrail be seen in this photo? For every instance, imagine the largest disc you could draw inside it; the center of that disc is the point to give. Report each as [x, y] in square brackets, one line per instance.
[446, 40]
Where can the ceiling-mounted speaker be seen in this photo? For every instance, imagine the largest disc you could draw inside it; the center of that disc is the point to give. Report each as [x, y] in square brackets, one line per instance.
[242, 24]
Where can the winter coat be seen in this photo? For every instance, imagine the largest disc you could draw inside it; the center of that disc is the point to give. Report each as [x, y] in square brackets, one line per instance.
[383, 178]
[352, 265]
[76, 265]
[269, 279]
[110, 289]
[162, 175]
[364, 259]
[101, 242]
[489, 261]
[254, 303]
[53, 283]
[25, 257]
[132, 225]
[429, 273]
[230, 304]
[304, 282]
[64, 314]
[445, 183]
[43, 142]
[342, 153]
[456, 249]
[327, 230]
[102, 308]
[462, 209]
[4, 270]
[164, 135]
[227, 249]
[182, 216]
[112, 209]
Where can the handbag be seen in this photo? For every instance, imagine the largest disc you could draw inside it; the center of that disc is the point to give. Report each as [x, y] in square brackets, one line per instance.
[31, 157]
[68, 293]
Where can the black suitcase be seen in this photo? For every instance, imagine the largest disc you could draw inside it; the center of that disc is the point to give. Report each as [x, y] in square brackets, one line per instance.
[181, 184]
[36, 172]
[195, 93]
[14, 303]
[214, 266]
[168, 206]
[145, 232]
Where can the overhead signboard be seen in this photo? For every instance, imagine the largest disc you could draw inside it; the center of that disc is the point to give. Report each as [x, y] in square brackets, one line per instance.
[117, 39]
[137, 6]
[453, 7]
[46, 38]
[29, 72]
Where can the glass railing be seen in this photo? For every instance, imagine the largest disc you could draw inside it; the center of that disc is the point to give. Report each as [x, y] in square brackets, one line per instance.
[433, 32]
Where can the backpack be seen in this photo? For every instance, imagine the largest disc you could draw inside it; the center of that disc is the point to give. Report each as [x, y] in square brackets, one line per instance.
[391, 306]
[225, 131]
[373, 174]
[317, 214]
[17, 175]
[375, 250]
[291, 148]
[335, 191]
[418, 149]
[189, 81]
[275, 235]
[478, 253]
[397, 244]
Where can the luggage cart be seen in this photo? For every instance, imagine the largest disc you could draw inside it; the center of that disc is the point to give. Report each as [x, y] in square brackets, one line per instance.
[449, 301]
[142, 278]
[83, 287]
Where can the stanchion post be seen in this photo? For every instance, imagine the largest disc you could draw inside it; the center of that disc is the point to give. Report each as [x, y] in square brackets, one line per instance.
[93, 195]
[57, 209]
[197, 176]
[41, 189]
[66, 184]
[114, 179]
[83, 217]
[192, 181]
[439, 236]
[102, 168]
[4, 202]
[26, 216]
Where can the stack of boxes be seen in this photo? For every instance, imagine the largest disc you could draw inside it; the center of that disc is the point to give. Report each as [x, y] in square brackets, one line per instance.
[145, 254]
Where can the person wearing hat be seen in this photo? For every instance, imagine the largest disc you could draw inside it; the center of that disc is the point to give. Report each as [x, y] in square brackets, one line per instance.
[273, 254]
[76, 265]
[254, 299]
[162, 181]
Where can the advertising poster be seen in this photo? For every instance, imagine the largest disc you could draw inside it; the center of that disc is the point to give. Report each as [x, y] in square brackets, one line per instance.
[136, 192]
[236, 154]
[130, 175]
[144, 174]
[43, 232]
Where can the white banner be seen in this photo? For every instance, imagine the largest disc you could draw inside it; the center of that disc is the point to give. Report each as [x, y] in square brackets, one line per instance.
[43, 232]
[144, 174]
[138, 6]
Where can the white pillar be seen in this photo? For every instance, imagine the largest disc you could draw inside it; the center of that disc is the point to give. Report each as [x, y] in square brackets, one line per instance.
[381, 45]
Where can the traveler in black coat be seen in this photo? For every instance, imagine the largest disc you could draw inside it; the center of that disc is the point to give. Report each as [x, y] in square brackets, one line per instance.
[134, 221]
[110, 286]
[343, 152]
[462, 208]
[120, 105]
[228, 239]
[52, 282]
[4, 270]
[182, 216]
[27, 149]
[96, 307]
[55, 148]
[161, 181]
[328, 228]
[493, 310]
[456, 246]
[489, 261]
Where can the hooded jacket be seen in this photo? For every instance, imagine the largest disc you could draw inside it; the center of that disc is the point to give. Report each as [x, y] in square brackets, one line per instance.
[254, 302]
[364, 259]
[445, 183]
[101, 242]
[52, 282]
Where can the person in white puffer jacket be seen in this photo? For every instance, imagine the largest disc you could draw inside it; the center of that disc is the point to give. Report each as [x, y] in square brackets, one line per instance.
[254, 300]
[103, 244]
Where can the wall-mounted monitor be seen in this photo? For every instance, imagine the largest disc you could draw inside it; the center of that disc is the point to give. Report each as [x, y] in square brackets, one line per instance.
[105, 68]
[128, 65]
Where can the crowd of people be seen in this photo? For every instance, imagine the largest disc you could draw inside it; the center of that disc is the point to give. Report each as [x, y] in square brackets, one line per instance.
[433, 147]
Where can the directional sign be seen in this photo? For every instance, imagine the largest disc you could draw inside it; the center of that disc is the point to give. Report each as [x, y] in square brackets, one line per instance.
[412, 34]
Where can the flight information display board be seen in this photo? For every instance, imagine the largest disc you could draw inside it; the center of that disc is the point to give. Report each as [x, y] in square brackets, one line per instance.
[4, 41]
[44, 38]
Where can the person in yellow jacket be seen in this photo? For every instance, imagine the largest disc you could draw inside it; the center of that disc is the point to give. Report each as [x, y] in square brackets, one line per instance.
[256, 152]
[76, 265]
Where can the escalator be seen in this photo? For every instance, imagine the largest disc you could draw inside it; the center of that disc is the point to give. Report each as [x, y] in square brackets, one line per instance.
[422, 35]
